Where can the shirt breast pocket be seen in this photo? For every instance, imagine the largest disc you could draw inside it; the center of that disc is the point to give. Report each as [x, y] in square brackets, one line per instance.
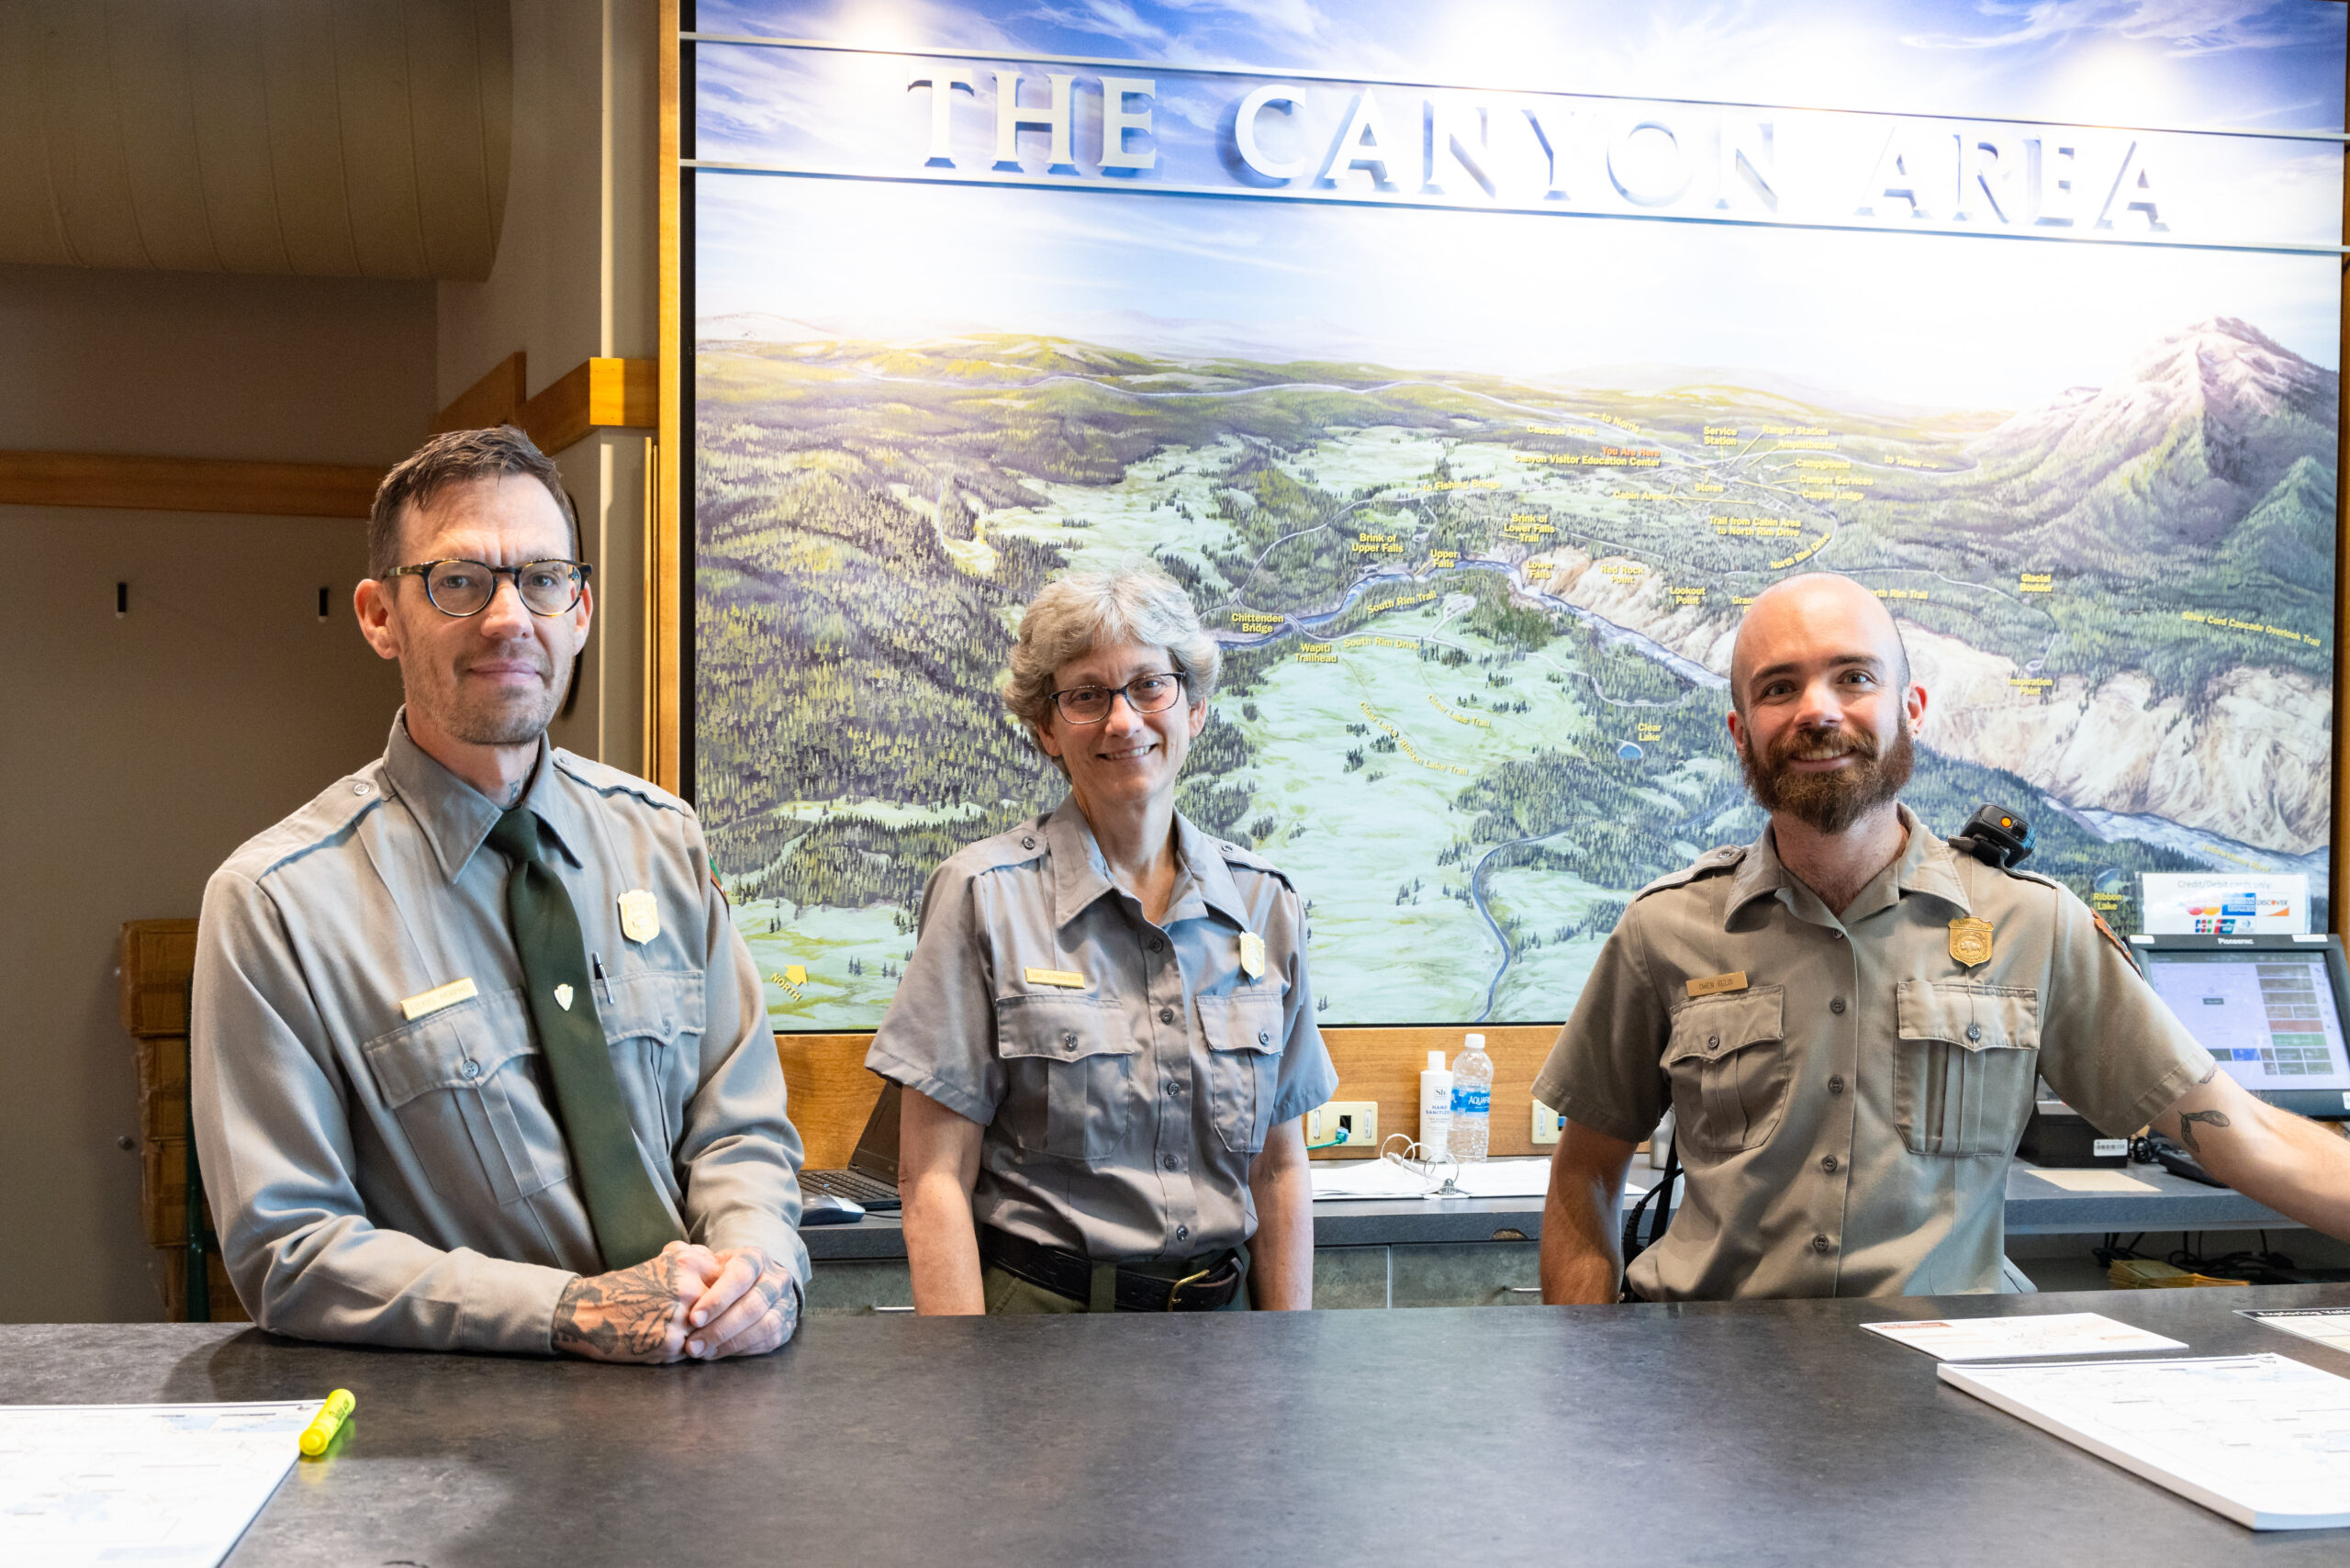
[462, 1086]
[1244, 1040]
[1963, 1065]
[1069, 1065]
[1728, 1060]
[655, 1023]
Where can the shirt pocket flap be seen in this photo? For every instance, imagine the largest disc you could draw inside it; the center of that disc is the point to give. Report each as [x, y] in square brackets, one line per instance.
[661, 1004]
[1061, 1028]
[457, 1047]
[1242, 1021]
[1719, 1026]
[1973, 1017]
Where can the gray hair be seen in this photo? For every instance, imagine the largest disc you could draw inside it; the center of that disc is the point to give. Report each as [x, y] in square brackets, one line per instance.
[1078, 613]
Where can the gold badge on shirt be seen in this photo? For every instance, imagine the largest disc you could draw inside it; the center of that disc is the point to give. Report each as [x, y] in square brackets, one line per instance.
[640, 916]
[1970, 941]
[1252, 954]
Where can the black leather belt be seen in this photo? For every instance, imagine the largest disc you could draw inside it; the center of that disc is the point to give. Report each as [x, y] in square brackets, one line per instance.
[1209, 1288]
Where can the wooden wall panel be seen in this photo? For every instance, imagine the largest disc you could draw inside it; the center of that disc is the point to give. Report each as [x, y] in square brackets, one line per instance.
[832, 1093]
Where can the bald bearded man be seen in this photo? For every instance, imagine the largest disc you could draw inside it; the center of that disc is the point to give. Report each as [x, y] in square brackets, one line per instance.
[1847, 1018]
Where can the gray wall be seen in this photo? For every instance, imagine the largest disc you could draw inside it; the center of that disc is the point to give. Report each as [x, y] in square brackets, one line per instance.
[136, 753]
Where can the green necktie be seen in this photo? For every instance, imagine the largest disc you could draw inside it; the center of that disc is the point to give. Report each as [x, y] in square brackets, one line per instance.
[630, 1223]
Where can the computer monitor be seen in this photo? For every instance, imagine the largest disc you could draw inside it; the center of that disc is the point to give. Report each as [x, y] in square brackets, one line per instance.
[2268, 1008]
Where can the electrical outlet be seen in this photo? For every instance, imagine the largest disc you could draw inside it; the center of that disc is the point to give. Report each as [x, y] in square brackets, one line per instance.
[1548, 1123]
[1358, 1119]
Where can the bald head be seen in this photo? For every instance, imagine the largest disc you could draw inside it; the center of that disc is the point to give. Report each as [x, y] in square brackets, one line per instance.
[1803, 621]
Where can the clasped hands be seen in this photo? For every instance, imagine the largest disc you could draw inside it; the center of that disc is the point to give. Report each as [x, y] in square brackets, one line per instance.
[688, 1304]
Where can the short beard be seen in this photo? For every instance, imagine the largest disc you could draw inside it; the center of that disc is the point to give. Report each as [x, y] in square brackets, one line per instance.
[1828, 803]
[519, 720]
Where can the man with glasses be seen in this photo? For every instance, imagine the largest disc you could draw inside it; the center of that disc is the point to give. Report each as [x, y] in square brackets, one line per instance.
[479, 1061]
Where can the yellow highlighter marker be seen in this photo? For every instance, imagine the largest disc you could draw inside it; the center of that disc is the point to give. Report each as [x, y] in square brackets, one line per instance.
[327, 1422]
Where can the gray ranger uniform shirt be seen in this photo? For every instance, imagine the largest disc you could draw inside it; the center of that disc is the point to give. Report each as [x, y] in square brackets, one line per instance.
[404, 1180]
[1847, 1114]
[1125, 1072]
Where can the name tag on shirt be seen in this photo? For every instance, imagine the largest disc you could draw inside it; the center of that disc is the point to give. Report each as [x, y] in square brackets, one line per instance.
[433, 1000]
[1068, 980]
[1714, 985]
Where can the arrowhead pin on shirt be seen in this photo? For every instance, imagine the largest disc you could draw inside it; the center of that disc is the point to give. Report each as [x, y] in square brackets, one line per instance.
[562, 997]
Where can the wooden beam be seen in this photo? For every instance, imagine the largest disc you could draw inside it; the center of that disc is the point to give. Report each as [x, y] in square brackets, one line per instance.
[492, 400]
[664, 610]
[599, 394]
[186, 484]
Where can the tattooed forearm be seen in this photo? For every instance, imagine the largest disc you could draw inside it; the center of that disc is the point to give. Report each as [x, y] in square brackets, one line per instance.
[626, 1316]
[2186, 1120]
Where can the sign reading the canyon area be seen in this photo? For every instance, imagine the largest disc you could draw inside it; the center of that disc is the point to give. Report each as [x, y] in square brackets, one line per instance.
[1474, 499]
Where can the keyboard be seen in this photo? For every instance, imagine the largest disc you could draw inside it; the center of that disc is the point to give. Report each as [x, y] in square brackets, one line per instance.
[855, 1185]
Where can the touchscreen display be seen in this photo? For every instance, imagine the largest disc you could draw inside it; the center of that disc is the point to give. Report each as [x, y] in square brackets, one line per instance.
[2268, 1017]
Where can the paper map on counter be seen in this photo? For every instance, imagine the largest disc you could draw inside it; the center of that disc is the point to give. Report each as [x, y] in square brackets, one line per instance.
[1987, 1339]
[169, 1484]
[2262, 1440]
[2326, 1325]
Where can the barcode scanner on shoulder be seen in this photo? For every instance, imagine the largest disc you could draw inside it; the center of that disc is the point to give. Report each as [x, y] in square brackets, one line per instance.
[1995, 836]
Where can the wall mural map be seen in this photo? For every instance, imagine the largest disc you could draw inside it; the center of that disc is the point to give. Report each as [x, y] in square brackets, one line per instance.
[1473, 500]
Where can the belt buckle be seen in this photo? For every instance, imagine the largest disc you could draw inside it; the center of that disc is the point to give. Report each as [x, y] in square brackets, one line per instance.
[1186, 1280]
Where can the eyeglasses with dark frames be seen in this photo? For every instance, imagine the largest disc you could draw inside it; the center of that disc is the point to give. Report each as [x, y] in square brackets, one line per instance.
[459, 588]
[1144, 694]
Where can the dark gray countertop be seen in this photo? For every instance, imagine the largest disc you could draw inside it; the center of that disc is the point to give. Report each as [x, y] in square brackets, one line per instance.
[2035, 1208]
[1751, 1434]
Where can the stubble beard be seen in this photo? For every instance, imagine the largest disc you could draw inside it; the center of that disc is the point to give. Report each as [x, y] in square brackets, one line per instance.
[1830, 802]
[508, 718]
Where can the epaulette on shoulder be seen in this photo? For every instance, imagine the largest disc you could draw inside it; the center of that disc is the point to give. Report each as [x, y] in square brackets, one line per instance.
[1234, 854]
[1015, 846]
[326, 816]
[1713, 862]
[609, 780]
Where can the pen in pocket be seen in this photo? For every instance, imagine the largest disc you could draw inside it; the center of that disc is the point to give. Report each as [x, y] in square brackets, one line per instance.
[603, 981]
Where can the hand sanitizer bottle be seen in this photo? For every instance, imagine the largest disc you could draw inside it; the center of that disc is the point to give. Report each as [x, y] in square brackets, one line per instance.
[1436, 1108]
[1472, 1099]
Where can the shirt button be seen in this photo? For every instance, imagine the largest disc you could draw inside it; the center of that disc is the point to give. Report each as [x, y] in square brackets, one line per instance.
[1837, 1005]
[1821, 1244]
[1837, 934]
[473, 1068]
[1166, 1015]
[1975, 1031]
[1713, 1042]
[1170, 1162]
[1173, 1087]
[360, 789]
[1028, 844]
[1836, 1085]
[1155, 944]
[1182, 1232]
[1068, 1041]
[1828, 1165]
[1264, 1039]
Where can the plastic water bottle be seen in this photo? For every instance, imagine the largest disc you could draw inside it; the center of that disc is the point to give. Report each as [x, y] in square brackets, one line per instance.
[1472, 1101]
[1436, 1109]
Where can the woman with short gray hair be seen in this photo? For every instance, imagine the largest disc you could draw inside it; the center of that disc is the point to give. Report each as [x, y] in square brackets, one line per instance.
[1106, 1033]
